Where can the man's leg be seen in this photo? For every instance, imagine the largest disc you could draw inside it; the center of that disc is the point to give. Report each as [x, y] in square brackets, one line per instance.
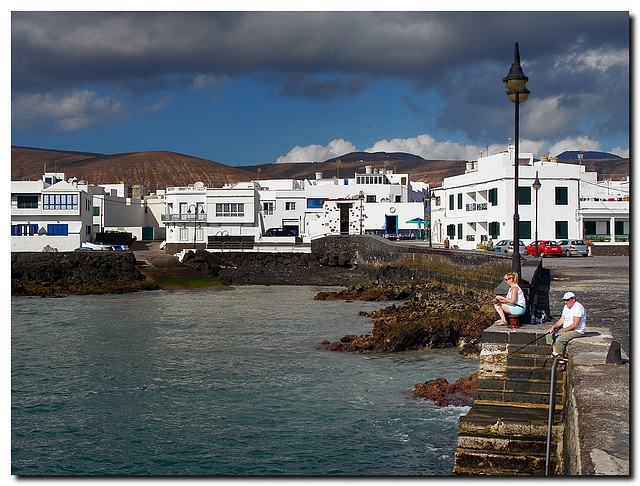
[561, 342]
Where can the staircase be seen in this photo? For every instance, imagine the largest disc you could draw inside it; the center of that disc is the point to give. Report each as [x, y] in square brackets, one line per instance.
[505, 432]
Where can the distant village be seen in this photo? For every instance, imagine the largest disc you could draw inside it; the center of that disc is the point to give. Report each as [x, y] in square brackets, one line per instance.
[470, 211]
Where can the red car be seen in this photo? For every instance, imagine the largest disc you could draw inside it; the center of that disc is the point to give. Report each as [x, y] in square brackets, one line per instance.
[545, 248]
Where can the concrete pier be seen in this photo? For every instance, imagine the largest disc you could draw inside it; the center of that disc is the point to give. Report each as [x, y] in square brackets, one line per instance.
[505, 431]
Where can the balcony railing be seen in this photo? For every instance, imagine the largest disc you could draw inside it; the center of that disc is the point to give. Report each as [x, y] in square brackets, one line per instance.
[199, 217]
[476, 206]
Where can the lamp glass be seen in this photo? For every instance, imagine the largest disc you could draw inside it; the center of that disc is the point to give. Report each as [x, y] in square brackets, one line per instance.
[515, 84]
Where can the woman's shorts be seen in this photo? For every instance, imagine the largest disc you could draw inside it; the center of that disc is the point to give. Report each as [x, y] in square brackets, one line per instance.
[516, 310]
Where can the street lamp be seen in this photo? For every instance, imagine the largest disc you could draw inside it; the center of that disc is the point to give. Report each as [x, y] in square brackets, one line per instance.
[195, 222]
[432, 197]
[515, 82]
[536, 187]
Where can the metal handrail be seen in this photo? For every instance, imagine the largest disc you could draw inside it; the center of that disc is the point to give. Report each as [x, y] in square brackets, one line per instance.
[552, 406]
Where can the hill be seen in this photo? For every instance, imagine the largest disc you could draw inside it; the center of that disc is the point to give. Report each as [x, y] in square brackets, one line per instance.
[159, 169]
[589, 154]
[155, 169]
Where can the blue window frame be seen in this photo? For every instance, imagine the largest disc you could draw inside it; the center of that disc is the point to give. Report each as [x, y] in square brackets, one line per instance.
[60, 201]
[24, 229]
[315, 202]
[57, 229]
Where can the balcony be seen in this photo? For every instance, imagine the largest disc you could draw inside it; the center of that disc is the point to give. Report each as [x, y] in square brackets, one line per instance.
[184, 217]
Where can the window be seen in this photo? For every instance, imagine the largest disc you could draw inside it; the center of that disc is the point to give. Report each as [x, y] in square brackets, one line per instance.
[57, 230]
[27, 202]
[562, 196]
[371, 198]
[290, 206]
[184, 234]
[451, 230]
[524, 195]
[460, 201]
[24, 229]
[562, 229]
[589, 229]
[452, 201]
[96, 211]
[525, 230]
[494, 229]
[459, 231]
[230, 210]
[268, 207]
[60, 201]
[315, 202]
[493, 196]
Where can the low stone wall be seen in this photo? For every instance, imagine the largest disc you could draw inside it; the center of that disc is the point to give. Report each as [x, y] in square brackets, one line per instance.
[603, 249]
[75, 272]
[381, 259]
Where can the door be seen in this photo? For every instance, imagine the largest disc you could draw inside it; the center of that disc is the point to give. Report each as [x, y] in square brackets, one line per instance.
[391, 224]
[344, 217]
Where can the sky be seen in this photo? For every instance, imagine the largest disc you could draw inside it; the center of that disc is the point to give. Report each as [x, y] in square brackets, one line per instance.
[255, 87]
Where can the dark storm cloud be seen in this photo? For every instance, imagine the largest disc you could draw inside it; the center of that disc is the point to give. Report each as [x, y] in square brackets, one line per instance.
[328, 55]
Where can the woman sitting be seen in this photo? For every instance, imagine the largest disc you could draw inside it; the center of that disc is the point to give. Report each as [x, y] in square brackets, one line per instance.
[514, 303]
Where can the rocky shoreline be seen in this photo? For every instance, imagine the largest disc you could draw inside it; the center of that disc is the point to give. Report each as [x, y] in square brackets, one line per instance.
[432, 316]
[424, 314]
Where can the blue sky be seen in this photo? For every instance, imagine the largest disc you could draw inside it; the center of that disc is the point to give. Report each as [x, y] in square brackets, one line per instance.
[244, 88]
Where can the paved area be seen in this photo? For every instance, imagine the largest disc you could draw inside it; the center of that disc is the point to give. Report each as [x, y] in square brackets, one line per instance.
[601, 391]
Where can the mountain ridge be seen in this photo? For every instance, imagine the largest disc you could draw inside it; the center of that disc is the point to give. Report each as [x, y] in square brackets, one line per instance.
[159, 169]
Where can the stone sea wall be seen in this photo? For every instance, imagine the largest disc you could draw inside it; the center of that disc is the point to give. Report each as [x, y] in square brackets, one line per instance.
[97, 272]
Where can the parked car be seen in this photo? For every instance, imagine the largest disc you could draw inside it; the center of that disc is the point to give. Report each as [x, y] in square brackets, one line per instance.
[574, 247]
[279, 232]
[506, 246]
[545, 248]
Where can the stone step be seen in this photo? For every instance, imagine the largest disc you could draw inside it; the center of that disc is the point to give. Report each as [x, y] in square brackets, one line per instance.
[512, 386]
[533, 445]
[472, 462]
[505, 420]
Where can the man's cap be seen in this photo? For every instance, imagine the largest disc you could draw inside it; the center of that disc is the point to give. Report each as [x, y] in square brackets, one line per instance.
[568, 295]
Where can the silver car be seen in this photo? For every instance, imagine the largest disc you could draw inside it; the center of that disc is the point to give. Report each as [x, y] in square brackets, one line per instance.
[506, 246]
[574, 247]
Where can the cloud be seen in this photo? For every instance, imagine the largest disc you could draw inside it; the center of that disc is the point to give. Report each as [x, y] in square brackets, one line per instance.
[329, 56]
[75, 110]
[430, 149]
[318, 153]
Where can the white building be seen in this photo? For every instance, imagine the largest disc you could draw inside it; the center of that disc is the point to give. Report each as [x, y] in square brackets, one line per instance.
[50, 213]
[479, 204]
[61, 215]
[376, 202]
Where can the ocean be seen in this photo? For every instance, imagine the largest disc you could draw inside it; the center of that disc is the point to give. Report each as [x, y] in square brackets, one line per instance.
[219, 383]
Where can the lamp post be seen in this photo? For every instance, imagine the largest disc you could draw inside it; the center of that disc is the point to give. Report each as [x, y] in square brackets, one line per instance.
[515, 82]
[195, 222]
[536, 187]
[431, 197]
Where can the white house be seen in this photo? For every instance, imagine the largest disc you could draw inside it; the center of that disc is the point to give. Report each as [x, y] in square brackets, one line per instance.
[479, 204]
[50, 213]
[377, 201]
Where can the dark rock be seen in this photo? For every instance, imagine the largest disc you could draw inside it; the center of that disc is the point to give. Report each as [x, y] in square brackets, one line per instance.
[444, 393]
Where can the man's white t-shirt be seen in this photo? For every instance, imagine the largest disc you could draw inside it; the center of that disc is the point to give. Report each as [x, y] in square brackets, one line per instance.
[577, 310]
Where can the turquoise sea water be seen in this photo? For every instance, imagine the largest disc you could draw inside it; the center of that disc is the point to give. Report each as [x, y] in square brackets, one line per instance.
[230, 383]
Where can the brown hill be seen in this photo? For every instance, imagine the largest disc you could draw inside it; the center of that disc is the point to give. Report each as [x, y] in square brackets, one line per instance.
[155, 169]
[158, 170]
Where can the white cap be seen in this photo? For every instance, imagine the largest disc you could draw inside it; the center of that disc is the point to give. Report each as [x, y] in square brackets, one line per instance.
[568, 295]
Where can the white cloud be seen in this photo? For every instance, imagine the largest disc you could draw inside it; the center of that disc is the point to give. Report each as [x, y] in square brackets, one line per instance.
[427, 147]
[576, 143]
[74, 110]
[318, 153]
[624, 153]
